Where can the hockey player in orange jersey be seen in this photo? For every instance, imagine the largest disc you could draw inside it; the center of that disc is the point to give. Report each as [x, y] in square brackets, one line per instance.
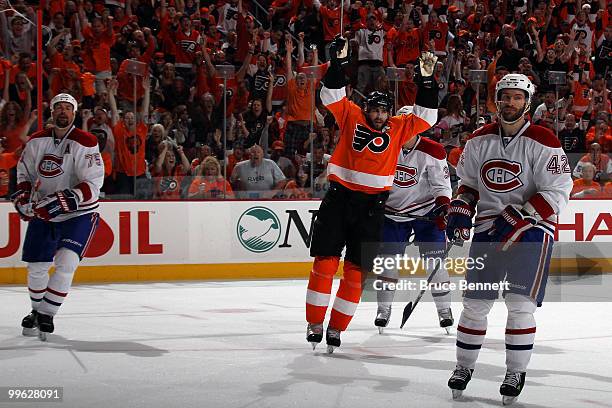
[360, 173]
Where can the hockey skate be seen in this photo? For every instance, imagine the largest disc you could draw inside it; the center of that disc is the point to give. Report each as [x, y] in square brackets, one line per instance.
[332, 337]
[45, 325]
[459, 380]
[511, 387]
[314, 334]
[29, 324]
[383, 315]
[446, 319]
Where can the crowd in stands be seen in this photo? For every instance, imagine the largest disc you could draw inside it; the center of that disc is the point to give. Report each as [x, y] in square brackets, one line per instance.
[205, 99]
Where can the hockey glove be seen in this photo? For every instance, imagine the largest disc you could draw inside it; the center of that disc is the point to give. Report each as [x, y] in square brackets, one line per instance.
[459, 222]
[22, 200]
[60, 202]
[440, 212]
[339, 51]
[510, 226]
[427, 63]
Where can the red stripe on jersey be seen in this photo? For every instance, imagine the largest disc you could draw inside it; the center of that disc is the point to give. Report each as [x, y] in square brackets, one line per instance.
[541, 205]
[86, 190]
[83, 138]
[37, 291]
[469, 190]
[56, 293]
[467, 330]
[528, 330]
[441, 200]
[432, 148]
[543, 136]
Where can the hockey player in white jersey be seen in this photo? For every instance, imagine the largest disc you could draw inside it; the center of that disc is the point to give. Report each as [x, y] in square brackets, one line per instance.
[421, 194]
[516, 178]
[59, 177]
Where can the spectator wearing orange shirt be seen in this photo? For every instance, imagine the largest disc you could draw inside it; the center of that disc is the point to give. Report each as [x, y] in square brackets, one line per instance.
[99, 38]
[8, 161]
[209, 182]
[601, 134]
[299, 95]
[130, 135]
[167, 173]
[585, 187]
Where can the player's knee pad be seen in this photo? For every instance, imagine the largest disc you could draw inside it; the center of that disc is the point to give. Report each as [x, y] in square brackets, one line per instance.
[66, 261]
[476, 309]
[325, 266]
[38, 269]
[519, 304]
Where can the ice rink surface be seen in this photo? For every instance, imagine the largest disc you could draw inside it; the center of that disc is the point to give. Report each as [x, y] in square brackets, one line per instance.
[242, 344]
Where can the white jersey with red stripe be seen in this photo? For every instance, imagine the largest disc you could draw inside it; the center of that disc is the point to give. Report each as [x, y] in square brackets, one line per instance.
[72, 162]
[421, 180]
[529, 169]
[364, 158]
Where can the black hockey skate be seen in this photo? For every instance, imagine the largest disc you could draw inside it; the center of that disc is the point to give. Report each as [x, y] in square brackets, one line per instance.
[446, 319]
[383, 315]
[45, 325]
[459, 380]
[332, 337]
[29, 324]
[314, 334]
[511, 387]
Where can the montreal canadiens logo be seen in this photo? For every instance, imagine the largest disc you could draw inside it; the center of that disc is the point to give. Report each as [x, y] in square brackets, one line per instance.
[50, 166]
[405, 176]
[501, 176]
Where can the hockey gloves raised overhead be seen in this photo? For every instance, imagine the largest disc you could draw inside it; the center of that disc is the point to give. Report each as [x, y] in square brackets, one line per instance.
[22, 200]
[440, 212]
[459, 222]
[427, 62]
[510, 226]
[60, 202]
[339, 51]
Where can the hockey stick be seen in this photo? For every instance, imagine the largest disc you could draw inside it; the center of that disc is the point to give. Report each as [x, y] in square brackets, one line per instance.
[409, 308]
[408, 215]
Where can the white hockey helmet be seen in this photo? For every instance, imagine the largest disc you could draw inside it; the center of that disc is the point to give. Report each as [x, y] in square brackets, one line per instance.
[515, 81]
[64, 97]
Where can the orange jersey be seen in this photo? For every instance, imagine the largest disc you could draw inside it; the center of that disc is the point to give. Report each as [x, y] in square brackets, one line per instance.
[7, 162]
[581, 185]
[202, 187]
[130, 148]
[365, 159]
[168, 186]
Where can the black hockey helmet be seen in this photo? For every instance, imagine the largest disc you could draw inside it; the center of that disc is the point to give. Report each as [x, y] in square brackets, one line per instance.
[379, 99]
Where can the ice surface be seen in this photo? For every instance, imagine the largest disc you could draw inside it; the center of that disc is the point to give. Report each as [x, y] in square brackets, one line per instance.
[242, 344]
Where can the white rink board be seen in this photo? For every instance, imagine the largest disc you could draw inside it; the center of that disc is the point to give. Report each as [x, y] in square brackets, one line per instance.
[159, 233]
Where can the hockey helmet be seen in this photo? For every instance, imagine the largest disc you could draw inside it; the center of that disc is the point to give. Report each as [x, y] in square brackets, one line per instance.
[64, 97]
[379, 99]
[515, 81]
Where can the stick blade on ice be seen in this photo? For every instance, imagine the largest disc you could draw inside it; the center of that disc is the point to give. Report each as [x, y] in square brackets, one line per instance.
[406, 314]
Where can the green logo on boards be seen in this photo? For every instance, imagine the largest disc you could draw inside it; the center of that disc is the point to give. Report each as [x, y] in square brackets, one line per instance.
[258, 229]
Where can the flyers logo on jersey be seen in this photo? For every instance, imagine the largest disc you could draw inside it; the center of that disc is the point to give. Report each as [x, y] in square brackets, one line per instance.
[50, 166]
[501, 176]
[377, 142]
[188, 46]
[405, 176]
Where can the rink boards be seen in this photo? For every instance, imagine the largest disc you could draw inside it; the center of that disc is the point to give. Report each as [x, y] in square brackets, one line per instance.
[157, 241]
